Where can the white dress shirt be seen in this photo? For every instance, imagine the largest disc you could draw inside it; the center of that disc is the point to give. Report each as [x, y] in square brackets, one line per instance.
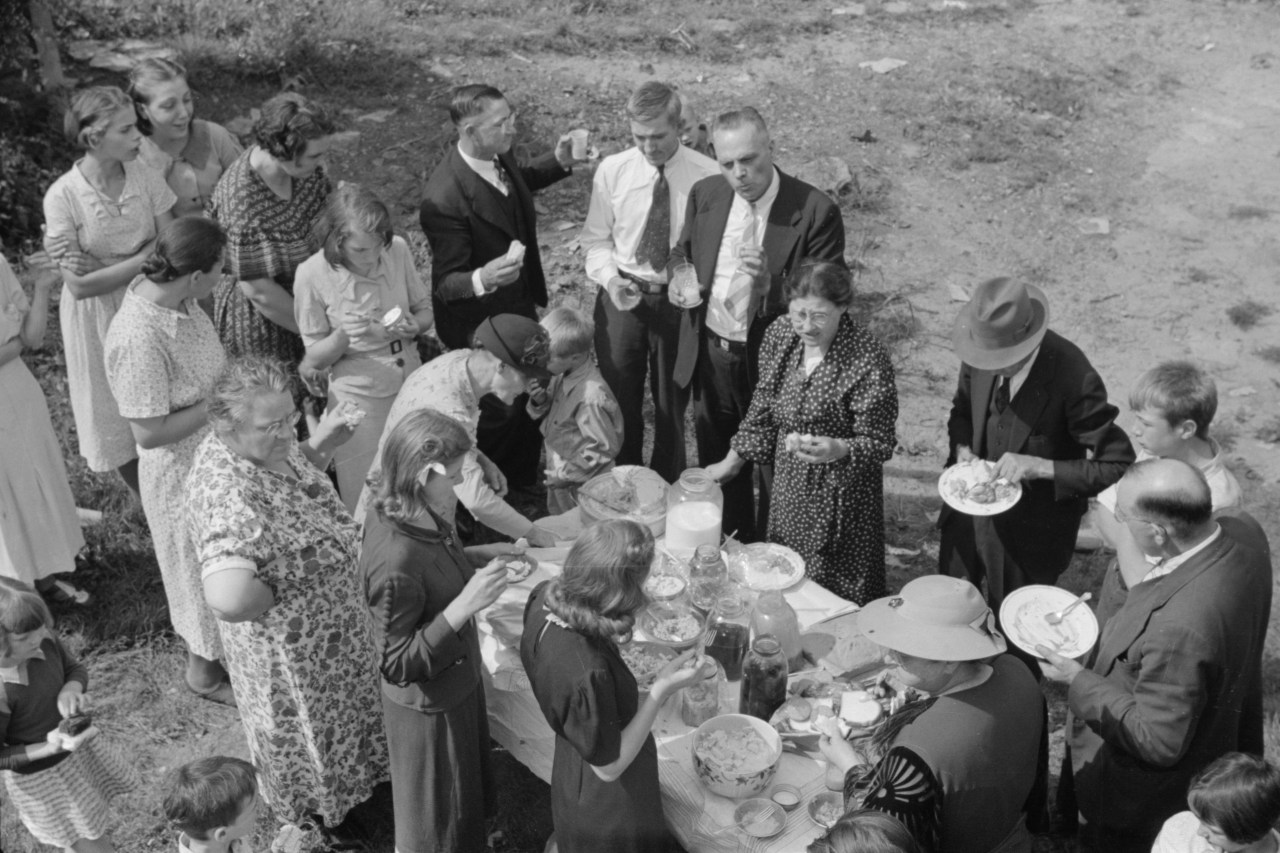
[621, 194]
[1162, 566]
[1020, 378]
[732, 322]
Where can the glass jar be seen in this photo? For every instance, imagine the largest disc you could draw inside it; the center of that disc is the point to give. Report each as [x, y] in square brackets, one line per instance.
[708, 577]
[695, 509]
[775, 617]
[764, 679]
[701, 699]
[729, 634]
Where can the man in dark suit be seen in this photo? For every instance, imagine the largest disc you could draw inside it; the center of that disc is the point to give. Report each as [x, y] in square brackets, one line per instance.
[1177, 681]
[1029, 401]
[479, 219]
[744, 231]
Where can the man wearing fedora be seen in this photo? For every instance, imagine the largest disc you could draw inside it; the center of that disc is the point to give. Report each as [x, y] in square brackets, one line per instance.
[1029, 401]
[1177, 679]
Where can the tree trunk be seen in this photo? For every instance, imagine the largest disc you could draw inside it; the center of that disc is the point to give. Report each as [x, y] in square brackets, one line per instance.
[46, 47]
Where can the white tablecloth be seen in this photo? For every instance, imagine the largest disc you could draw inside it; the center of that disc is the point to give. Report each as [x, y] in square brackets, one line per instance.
[701, 820]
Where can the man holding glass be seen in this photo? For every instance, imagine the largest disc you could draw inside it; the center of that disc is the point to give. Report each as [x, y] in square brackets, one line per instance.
[745, 230]
[637, 208]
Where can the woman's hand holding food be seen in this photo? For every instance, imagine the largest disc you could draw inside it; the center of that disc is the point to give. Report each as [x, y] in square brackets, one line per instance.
[679, 672]
[314, 378]
[404, 329]
[72, 699]
[819, 449]
[482, 590]
[834, 747]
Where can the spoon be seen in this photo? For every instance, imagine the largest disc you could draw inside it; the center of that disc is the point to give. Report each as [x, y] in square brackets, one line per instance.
[1056, 616]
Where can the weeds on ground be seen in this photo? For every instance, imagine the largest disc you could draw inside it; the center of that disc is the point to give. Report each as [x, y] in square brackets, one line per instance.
[1271, 354]
[1248, 314]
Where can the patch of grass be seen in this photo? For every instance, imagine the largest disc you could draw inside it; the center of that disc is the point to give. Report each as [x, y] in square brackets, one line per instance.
[1271, 354]
[1247, 314]
[1247, 211]
[1269, 431]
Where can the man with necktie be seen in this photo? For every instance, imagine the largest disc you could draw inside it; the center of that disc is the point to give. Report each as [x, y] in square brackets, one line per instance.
[745, 230]
[479, 203]
[1029, 401]
[637, 209]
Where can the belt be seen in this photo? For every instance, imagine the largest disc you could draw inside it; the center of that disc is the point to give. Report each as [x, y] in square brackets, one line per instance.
[721, 342]
[643, 284]
[393, 348]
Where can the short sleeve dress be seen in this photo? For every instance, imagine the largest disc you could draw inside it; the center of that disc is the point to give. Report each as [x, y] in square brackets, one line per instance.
[305, 673]
[850, 395]
[267, 237]
[39, 531]
[193, 174]
[159, 361]
[588, 696]
[109, 230]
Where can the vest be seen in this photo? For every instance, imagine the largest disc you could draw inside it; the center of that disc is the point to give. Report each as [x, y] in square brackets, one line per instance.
[999, 426]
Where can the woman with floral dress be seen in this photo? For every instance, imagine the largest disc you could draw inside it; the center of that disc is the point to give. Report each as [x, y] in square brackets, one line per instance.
[162, 359]
[101, 218]
[823, 415]
[278, 553]
[268, 202]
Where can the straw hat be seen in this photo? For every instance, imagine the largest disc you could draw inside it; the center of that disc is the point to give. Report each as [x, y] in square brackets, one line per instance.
[1003, 322]
[935, 617]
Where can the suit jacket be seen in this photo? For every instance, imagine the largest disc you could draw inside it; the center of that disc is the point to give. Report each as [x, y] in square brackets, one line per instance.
[803, 223]
[1060, 413]
[468, 223]
[1175, 683]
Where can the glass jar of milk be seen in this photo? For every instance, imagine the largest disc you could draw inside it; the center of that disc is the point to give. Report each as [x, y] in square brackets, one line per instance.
[695, 507]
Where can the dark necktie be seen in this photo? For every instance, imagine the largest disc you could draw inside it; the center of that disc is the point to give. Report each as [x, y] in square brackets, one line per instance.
[655, 241]
[1002, 395]
[502, 176]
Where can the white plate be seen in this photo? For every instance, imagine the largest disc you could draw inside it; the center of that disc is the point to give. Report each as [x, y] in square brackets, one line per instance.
[767, 581]
[1022, 617]
[971, 473]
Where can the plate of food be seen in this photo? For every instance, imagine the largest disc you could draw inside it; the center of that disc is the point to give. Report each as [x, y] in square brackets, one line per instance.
[973, 488]
[519, 567]
[766, 566]
[856, 708]
[646, 660]
[1022, 615]
[671, 624]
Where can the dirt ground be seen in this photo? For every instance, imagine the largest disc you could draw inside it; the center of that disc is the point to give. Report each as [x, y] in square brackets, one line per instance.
[1124, 156]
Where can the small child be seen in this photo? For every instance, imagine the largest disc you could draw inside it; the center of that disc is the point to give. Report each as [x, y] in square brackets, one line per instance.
[59, 777]
[1234, 805]
[581, 421]
[213, 804]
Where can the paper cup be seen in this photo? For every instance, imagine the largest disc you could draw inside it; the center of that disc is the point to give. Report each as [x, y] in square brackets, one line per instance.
[579, 138]
[392, 317]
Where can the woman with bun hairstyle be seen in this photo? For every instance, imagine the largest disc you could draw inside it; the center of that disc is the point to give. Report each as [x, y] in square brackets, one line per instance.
[190, 152]
[162, 359]
[101, 217]
[604, 775]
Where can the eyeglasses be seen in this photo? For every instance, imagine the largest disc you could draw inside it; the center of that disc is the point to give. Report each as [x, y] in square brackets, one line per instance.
[282, 427]
[819, 319]
[1124, 518]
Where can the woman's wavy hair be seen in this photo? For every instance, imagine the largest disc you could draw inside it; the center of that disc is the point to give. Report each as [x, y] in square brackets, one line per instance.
[186, 245]
[351, 209]
[288, 122]
[90, 114]
[22, 610]
[823, 279]
[151, 72]
[397, 489]
[866, 831]
[240, 383]
[602, 586]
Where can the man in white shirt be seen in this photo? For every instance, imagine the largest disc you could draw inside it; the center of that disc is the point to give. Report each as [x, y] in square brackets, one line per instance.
[637, 209]
[745, 231]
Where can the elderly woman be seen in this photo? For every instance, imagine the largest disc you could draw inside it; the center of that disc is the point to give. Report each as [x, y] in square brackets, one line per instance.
[101, 219]
[342, 296]
[278, 553]
[190, 152]
[823, 415]
[425, 590]
[162, 359]
[958, 766]
[268, 202]
[604, 776]
[507, 351]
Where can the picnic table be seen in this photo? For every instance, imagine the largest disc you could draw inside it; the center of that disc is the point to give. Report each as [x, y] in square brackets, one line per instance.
[700, 820]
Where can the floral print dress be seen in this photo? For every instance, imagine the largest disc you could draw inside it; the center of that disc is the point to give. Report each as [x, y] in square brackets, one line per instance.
[305, 672]
[832, 514]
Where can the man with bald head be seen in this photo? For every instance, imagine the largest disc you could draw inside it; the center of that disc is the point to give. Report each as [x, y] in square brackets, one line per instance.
[745, 230]
[1177, 680]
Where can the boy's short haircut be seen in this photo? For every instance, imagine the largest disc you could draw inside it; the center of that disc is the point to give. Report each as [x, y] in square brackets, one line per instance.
[571, 331]
[1181, 391]
[208, 793]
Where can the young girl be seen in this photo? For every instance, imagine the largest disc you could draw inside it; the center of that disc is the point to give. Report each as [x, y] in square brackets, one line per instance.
[62, 786]
[866, 831]
[1234, 808]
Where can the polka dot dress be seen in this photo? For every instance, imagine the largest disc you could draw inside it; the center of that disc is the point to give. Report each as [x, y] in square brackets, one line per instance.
[832, 514]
